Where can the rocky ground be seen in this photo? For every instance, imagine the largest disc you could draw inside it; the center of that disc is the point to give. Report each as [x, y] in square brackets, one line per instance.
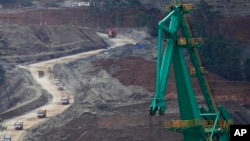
[20, 44]
[111, 103]
[20, 88]
[112, 91]
[104, 108]
[112, 95]
[21, 92]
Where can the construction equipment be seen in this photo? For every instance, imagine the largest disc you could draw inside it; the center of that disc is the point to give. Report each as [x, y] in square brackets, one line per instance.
[209, 123]
[65, 100]
[111, 33]
[18, 125]
[60, 86]
[41, 113]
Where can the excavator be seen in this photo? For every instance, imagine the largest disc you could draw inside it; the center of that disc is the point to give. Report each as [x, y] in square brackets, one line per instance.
[196, 123]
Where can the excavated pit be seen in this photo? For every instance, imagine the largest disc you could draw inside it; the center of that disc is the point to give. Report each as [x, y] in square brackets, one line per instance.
[110, 106]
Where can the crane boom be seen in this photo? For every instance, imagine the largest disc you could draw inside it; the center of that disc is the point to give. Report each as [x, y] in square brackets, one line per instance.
[196, 123]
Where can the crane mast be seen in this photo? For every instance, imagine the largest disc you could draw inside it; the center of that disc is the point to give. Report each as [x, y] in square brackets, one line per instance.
[209, 123]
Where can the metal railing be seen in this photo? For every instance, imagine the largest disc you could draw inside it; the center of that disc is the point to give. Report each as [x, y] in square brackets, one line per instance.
[180, 124]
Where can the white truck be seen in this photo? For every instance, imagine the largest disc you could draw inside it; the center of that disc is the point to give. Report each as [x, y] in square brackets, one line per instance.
[18, 125]
[41, 113]
[64, 100]
[7, 138]
[56, 81]
[60, 86]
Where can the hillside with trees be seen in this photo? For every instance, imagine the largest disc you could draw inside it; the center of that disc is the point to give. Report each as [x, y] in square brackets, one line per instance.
[23, 3]
[221, 54]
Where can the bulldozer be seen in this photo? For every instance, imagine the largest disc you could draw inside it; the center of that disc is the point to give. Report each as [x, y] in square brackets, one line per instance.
[41, 113]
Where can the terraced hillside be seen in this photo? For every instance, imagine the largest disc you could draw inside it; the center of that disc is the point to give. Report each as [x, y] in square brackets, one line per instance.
[21, 44]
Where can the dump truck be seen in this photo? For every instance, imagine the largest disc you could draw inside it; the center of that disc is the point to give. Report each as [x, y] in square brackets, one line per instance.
[7, 138]
[18, 125]
[41, 113]
[111, 33]
[65, 100]
[60, 86]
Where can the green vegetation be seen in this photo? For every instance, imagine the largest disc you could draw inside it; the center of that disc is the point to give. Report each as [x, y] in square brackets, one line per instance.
[204, 16]
[7, 1]
[118, 7]
[152, 21]
[220, 55]
[141, 19]
[223, 56]
[247, 69]
[149, 18]
[123, 4]
[24, 3]
[117, 10]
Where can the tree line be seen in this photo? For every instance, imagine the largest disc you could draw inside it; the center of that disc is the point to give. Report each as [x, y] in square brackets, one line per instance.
[142, 17]
[219, 54]
[24, 3]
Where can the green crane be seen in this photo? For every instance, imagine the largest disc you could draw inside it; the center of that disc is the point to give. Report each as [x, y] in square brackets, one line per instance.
[209, 123]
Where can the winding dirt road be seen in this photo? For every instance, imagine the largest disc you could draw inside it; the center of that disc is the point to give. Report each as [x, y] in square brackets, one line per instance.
[53, 107]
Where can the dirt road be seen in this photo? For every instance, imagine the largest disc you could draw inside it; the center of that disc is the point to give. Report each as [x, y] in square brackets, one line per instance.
[53, 107]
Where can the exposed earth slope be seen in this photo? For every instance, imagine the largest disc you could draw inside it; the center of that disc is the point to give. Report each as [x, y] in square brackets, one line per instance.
[54, 106]
[19, 44]
[111, 107]
[111, 91]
